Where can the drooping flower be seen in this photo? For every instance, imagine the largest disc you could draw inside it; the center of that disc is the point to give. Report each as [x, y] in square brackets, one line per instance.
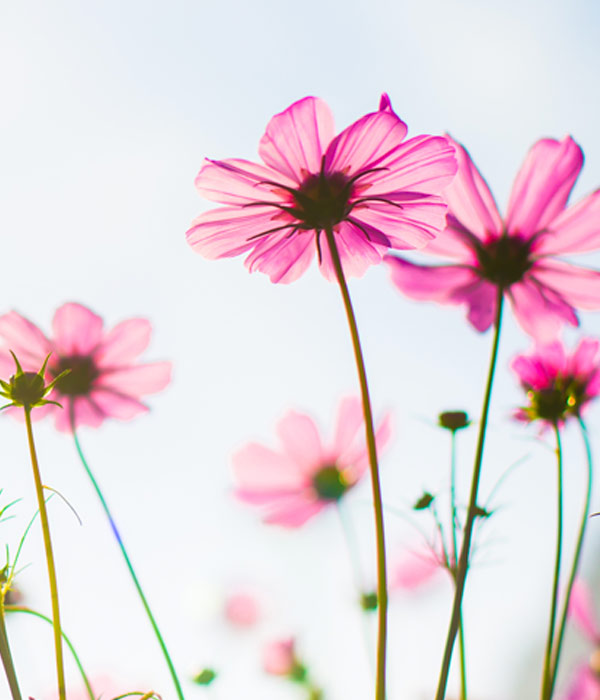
[104, 381]
[517, 254]
[372, 188]
[301, 479]
[558, 385]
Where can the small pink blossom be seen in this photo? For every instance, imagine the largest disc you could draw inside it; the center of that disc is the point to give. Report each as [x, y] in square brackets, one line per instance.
[105, 380]
[558, 385]
[517, 254]
[305, 476]
[371, 187]
[242, 609]
[414, 569]
[279, 657]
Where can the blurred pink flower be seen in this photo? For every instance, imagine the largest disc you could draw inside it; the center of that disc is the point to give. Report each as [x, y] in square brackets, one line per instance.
[585, 685]
[279, 657]
[105, 380]
[374, 189]
[304, 477]
[414, 569]
[241, 609]
[558, 385]
[517, 253]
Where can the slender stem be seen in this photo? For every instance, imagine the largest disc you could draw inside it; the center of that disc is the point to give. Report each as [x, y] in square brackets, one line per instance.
[128, 563]
[576, 558]
[7, 661]
[39, 489]
[462, 658]
[463, 561]
[554, 603]
[382, 598]
[29, 611]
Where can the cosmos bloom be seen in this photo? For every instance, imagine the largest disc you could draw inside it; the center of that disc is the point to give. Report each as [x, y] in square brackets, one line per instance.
[558, 385]
[305, 476]
[518, 253]
[372, 188]
[105, 381]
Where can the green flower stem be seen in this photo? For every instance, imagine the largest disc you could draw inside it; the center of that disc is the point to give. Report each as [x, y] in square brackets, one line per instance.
[129, 565]
[29, 611]
[7, 661]
[39, 489]
[463, 561]
[382, 597]
[546, 693]
[576, 558]
[462, 659]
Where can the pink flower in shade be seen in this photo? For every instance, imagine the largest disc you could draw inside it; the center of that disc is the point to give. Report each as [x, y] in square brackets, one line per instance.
[518, 253]
[305, 476]
[372, 188]
[558, 385]
[279, 657]
[105, 379]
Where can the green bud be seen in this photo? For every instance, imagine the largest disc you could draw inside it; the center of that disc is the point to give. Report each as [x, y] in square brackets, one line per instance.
[205, 677]
[453, 420]
[368, 601]
[424, 501]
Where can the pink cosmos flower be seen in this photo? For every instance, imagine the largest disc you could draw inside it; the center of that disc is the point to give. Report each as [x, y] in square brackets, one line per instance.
[105, 379]
[279, 657]
[517, 253]
[372, 188]
[305, 476]
[558, 385]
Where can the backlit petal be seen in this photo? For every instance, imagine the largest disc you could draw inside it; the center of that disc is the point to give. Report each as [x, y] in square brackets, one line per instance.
[77, 330]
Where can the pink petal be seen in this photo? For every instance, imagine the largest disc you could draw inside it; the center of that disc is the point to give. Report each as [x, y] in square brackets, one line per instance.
[585, 358]
[295, 140]
[370, 142]
[539, 310]
[293, 512]
[124, 343]
[470, 199]
[355, 458]
[584, 686]
[114, 405]
[574, 230]
[453, 242]
[26, 340]
[237, 181]
[77, 330]
[582, 610]
[137, 379]
[542, 186]
[414, 570]
[301, 442]
[578, 286]
[229, 231]
[85, 412]
[356, 252]
[349, 421]
[258, 468]
[281, 256]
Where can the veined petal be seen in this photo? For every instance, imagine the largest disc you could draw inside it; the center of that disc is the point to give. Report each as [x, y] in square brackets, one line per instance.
[454, 242]
[578, 286]
[136, 380]
[236, 181]
[356, 252]
[77, 330]
[349, 421]
[574, 230]
[85, 412]
[258, 468]
[116, 405]
[368, 143]
[539, 310]
[295, 140]
[300, 439]
[229, 231]
[26, 340]
[281, 256]
[470, 199]
[124, 343]
[542, 186]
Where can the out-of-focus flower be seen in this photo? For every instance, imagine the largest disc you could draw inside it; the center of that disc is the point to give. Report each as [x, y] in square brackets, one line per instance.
[558, 385]
[241, 609]
[413, 569]
[104, 381]
[516, 254]
[279, 659]
[374, 190]
[304, 477]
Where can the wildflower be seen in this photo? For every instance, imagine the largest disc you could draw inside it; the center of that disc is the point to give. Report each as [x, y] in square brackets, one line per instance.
[103, 379]
[372, 188]
[558, 385]
[517, 254]
[304, 477]
[279, 658]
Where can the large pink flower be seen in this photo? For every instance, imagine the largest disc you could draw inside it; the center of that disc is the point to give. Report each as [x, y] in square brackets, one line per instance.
[517, 253]
[372, 188]
[304, 477]
[558, 385]
[105, 380]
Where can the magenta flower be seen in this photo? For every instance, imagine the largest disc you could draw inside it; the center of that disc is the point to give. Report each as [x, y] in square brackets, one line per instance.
[518, 253]
[558, 385]
[294, 484]
[372, 188]
[105, 380]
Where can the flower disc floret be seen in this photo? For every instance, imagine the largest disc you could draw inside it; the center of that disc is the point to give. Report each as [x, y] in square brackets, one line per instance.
[329, 483]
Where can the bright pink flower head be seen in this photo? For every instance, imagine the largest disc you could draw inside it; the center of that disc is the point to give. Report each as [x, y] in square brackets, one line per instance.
[305, 476]
[558, 385]
[279, 657]
[372, 188]
[518, 253]
[105, 380]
